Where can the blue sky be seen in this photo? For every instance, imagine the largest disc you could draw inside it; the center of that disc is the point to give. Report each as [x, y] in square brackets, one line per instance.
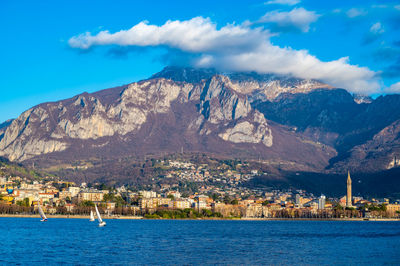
[52, 50]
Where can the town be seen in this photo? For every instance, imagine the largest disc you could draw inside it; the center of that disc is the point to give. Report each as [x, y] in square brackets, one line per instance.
[186, 190]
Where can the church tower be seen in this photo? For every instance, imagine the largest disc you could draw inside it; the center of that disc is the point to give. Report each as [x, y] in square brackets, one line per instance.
[349, 197]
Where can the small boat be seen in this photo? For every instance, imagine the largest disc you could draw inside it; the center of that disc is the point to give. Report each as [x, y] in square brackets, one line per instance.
[91, 216]
[42, 215]
[101, 222]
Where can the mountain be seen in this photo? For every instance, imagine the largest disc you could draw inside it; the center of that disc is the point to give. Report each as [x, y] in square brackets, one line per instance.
[288, 123]
[365, 135]
[178, 108]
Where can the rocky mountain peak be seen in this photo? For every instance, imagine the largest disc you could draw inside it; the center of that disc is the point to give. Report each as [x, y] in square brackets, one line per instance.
[256, 86]
[362, 99]
[185, 74]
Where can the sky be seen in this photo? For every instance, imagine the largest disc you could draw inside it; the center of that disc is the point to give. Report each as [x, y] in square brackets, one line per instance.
[52, 50]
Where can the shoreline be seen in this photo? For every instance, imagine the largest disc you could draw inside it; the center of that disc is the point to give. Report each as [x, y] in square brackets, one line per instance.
[49, 216]
[206, 219]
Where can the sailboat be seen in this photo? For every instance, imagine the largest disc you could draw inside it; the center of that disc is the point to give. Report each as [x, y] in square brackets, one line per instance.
[101, 222]
[42, 215]
[91, 216]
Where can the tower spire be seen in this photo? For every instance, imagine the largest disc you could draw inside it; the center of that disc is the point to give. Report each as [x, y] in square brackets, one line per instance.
[349, 198]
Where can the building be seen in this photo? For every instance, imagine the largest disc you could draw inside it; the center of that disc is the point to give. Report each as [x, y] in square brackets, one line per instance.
[349, 197]
[254, 210]
[227, 210]
[62, 195]
[321, 202]
[163, 202]
[199, 205]
[393, 210]
[26, 193]
[298, 199]
[200, 202]
[30, 200]
[148, 203]
[148, 194]
[181, 204]
[74, 191]
[91, 195]
[46, 197]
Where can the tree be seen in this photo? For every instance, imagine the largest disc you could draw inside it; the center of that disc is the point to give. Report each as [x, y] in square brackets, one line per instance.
[87, 203]
[68, 199]
[108, 197]
[338, 207]
[227, 199]
[207, 213]
[265, 203]
[119, 201]
[23, 203]
[102, 186]
[26, 202]
[235, 202]
[215, 196]
[171, 196]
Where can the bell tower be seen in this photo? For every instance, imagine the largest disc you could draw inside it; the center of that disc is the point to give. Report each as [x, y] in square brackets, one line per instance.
[349, 198]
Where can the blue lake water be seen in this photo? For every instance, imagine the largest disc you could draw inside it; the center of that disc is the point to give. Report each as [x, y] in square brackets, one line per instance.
[132, 242]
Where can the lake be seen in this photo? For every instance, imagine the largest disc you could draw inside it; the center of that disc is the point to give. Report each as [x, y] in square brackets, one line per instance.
[132, 242]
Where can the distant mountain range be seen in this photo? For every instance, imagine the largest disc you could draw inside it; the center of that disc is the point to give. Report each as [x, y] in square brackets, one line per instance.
[293, 124]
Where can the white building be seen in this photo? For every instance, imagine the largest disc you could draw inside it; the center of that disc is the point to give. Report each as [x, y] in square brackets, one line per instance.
[74, 191]
[148, 194]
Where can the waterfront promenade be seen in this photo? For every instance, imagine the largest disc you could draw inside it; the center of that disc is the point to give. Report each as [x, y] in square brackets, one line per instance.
[129, 217]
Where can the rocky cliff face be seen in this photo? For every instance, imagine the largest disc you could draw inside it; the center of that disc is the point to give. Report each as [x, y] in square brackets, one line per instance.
[200, 111]
[3, 127]
[301, 124]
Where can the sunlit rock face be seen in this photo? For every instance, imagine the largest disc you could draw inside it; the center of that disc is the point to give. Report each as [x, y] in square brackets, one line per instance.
[256, 131]
[19, 143]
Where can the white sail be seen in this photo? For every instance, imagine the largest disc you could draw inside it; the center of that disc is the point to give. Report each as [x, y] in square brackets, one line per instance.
[98, 215]
[101, 222]
[44, 218]
[91, 216]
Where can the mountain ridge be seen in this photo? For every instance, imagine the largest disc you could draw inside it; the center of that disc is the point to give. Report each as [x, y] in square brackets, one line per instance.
[303, 125]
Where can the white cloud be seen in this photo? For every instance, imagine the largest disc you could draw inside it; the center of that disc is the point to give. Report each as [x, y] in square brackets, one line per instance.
[283, 2]
[394, 89]
[377, 28]
[356, 12]
[297, 18]
[235, 48]
[397, 7]
[195, 35]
